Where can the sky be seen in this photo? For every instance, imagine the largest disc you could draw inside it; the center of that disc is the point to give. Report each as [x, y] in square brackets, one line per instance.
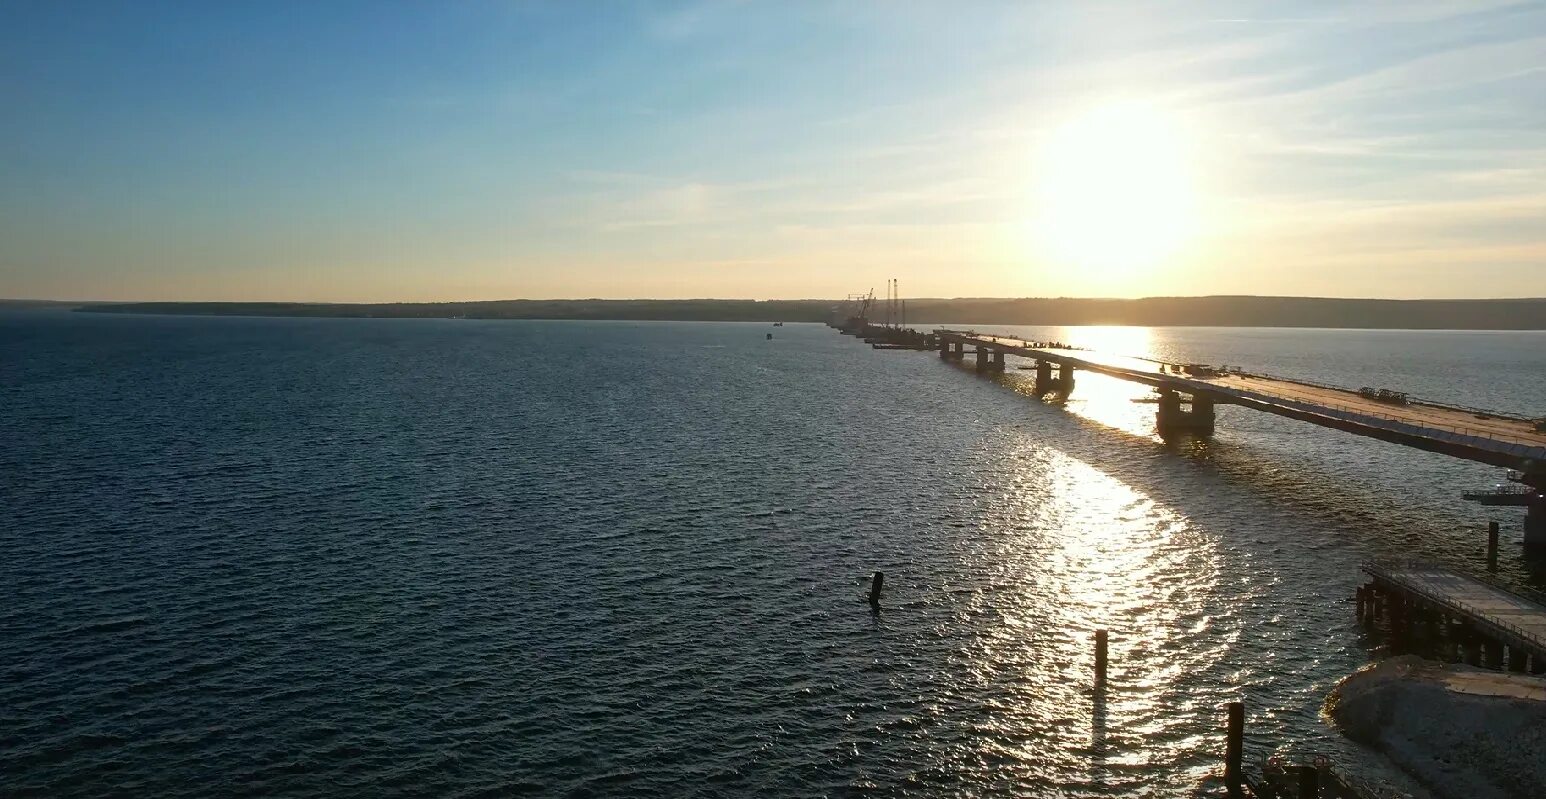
[463, 150]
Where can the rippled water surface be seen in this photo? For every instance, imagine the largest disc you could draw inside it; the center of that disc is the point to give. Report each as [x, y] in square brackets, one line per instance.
[461, 558]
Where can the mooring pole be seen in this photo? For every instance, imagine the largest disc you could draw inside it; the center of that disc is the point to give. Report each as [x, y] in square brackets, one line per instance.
[1492, 546]
[1234, 746]
[875, 584]
[1100, 656]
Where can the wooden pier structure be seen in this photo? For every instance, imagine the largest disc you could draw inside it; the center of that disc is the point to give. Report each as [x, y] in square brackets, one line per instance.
[1457, 616]
[1189, 394]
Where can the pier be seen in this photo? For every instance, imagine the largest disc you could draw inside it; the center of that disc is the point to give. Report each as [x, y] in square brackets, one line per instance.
[1465, 618]
[1190, 393]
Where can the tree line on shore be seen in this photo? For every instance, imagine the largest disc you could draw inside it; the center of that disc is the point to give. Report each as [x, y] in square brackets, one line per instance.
[1215, 311]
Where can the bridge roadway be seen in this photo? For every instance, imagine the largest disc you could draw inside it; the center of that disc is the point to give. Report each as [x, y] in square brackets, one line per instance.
[1500, 440]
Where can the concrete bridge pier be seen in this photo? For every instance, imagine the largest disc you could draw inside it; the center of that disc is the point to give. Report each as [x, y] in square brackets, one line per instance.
[982, 359]
[957, 351]
[944, 350]
[1065, 381]
[998, 361]
[1492, 654]
[1172, 419]
[1471, 650]
[1043, 378]
[1202, 411]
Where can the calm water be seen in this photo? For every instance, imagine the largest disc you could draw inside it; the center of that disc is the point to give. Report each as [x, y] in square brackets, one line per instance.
[359, 557]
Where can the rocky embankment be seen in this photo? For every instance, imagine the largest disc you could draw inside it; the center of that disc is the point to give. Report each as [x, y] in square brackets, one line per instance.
[1467, 733]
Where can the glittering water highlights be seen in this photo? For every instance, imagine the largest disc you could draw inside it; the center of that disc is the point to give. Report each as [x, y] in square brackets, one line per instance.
[417, 557]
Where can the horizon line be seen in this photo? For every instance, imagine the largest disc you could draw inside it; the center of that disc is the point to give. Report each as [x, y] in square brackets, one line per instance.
[771, 300]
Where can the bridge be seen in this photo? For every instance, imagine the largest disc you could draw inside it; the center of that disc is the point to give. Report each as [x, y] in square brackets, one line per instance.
[1188, 394]
[1481, 618]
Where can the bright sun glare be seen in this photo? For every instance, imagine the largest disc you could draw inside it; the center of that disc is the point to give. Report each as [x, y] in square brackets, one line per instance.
[1115, 193]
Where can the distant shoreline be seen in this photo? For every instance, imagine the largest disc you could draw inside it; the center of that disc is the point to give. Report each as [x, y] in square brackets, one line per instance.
[1218, 311]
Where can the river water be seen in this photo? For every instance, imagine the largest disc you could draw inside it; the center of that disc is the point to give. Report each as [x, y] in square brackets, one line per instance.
[465, 558]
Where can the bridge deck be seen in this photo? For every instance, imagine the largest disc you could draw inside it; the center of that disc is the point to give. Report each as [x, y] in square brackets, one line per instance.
[1476, 435]
[1513, 615]
[1417, 413]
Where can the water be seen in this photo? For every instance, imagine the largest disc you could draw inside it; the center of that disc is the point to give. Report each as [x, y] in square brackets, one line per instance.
[462, 558]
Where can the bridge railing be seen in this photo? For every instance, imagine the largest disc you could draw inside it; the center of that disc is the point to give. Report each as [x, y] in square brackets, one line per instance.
[1391, 572]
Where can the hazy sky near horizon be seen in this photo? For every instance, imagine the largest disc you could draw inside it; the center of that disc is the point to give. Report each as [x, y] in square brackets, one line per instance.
[484, 150]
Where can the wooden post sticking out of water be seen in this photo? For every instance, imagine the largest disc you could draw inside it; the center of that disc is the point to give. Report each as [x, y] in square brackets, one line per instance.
[875, 584]
[1234, 746]
[1492, 546]
[1100, 656]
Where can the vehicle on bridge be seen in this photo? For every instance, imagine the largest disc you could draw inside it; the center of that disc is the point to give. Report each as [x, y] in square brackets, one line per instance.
[1384, 395]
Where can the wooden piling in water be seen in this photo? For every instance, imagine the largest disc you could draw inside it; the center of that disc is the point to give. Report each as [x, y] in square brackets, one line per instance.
[875, 584]
[1100, 656]
[1234, 746]
[1492, 546]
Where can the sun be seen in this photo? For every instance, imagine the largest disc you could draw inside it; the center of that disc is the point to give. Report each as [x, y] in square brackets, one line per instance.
[1114, 192]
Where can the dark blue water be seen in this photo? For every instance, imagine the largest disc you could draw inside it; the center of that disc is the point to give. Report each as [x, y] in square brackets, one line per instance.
[458, 558]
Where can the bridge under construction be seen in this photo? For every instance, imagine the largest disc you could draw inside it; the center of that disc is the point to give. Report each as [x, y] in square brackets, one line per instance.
[1189, 393]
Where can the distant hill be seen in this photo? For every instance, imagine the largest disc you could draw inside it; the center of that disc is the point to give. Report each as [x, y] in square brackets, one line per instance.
[16, 304]
[662, 310]
[1220, 311]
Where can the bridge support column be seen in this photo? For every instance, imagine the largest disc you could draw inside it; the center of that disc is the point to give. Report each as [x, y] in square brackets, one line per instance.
[1516, 658]
[1492, 654]
[958, 351]
[1168, 412]
[1043, 378]
[1537, 663]
[944, 349]
[998, 361]
[1171, 419]
[1065, 382]
[982, 359]
[1202, 412]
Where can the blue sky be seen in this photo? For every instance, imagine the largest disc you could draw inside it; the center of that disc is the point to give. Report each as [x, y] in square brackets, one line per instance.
[482, 150]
